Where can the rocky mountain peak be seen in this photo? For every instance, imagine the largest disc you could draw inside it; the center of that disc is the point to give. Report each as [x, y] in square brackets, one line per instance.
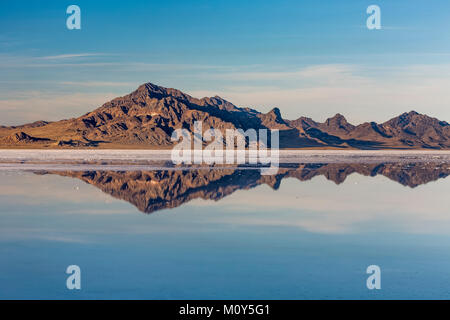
[158, 92]
[337, 124]
[337, 120]
[275, 114]
[273, 119]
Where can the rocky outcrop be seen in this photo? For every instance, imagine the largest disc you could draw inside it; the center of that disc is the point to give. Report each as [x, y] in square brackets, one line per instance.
[20, 138]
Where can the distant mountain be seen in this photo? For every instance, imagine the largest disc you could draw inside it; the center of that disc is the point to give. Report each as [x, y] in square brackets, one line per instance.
[151, 191]
[147, 117]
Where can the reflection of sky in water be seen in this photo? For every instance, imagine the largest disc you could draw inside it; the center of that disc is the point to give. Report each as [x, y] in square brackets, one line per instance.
[311, 239]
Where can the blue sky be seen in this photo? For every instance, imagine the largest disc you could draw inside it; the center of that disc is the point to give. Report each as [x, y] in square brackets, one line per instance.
[312, 58]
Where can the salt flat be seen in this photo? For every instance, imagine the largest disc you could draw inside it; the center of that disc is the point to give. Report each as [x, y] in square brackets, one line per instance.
[156, 155]
[157, 159]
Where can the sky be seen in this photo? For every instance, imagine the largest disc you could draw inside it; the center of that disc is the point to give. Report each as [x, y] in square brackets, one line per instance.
[308, 58]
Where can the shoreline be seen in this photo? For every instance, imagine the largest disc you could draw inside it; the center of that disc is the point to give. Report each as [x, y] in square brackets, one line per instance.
[114, 159]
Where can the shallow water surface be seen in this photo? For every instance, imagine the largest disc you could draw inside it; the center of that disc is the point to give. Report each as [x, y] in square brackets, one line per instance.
[308, 232]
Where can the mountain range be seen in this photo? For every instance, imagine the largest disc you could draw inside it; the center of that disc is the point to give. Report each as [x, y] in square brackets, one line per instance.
[151, 191]
[147, 117]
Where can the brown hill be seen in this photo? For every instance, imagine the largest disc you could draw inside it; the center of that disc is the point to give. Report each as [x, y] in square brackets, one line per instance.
[147, 117]
[22, 138]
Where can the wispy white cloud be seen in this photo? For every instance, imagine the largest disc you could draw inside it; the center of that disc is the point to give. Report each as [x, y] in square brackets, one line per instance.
[62, 60]
[61, 65]
[70, 56]
[94, 60]
[97, 83]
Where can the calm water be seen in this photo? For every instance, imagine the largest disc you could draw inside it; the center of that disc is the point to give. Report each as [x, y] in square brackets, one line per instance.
[308, 233]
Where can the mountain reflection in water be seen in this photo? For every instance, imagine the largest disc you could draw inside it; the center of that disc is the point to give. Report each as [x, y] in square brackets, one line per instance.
[155, 190]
